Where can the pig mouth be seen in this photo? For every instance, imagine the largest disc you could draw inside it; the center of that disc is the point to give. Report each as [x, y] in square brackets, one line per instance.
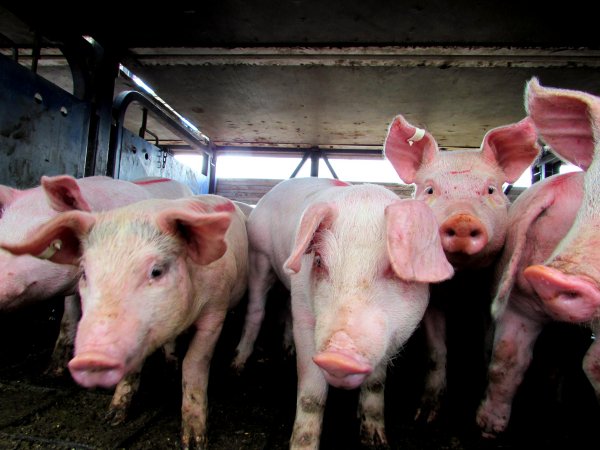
[343, 370]
[96, 369]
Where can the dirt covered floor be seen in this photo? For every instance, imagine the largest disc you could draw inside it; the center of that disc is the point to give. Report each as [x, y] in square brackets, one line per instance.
[555, 408]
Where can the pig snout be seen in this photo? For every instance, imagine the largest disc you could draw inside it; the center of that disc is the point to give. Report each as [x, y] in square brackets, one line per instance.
[341, 364]
[571, 298]
[463, 233]
[96, 369]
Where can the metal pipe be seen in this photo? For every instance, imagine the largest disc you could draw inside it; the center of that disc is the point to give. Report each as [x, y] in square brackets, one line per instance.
[196, 140]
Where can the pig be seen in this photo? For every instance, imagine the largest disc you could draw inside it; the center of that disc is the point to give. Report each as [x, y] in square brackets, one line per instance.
[465, 190]
[149, 271]
[26, 279]
[548, 271]
[357, 261]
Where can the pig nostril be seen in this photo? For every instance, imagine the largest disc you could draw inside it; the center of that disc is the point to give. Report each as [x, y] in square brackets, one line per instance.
[475, 233]
[451, 232]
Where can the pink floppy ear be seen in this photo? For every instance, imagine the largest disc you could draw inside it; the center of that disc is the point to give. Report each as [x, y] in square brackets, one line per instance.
[408, 148]
[63, 194]
[316, 218]
[58, 240]
[202, 226]
[514, 147]
[566, 120]
[414, 244]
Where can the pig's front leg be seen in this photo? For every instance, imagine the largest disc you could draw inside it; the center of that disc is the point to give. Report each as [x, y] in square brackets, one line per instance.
[514, 340]
[121, 400]
[371, 410]
[261, 278]
[591, 363]
[63, 348]
[434, 324]
[196, 367]
[312, 386]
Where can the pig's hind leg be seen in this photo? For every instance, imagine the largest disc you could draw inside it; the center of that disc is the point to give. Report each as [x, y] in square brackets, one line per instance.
[261, 279]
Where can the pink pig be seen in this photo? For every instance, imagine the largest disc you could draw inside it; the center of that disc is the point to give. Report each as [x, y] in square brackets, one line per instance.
[552, 223]
[27, 279]
[357, 261]
[150, 271]
[464, 189]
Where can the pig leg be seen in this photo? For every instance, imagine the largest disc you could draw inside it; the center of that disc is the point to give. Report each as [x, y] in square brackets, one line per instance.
[121, 400]
[196, 368]
[371, 410]
[63, 348]
[312, 387]
[591, 364]
[514, 340]
[261, 278]
[434, 324]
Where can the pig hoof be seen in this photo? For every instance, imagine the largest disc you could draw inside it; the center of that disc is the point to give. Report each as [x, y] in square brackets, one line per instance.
[116, 416]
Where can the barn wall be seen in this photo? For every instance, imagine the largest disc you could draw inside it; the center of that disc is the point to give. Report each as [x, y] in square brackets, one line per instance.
[43, 129]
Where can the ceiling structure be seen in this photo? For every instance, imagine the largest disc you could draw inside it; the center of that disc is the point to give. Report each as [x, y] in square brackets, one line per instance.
[331, 74]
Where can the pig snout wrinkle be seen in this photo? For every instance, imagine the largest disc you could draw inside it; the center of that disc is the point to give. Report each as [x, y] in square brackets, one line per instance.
[96, 369]
[463, 233]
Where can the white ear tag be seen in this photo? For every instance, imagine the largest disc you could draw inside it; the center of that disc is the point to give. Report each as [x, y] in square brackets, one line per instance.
[54, 247]
[419, 134]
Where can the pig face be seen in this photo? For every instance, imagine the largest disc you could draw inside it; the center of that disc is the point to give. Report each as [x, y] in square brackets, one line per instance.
[137, 289]
[464, 187]
[366, 272]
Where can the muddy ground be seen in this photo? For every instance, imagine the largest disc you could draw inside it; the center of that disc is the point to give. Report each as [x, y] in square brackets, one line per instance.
[555, 407]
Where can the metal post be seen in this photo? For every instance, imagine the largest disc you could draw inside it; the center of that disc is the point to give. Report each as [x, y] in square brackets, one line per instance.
[315, 155]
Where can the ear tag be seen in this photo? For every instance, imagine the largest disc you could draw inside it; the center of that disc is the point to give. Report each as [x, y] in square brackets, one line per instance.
[54, 247]
[419, 134]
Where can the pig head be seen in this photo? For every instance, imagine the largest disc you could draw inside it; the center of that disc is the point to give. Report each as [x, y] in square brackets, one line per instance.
[464, 187]
[136, 288]
[569, 280]
[367, 294]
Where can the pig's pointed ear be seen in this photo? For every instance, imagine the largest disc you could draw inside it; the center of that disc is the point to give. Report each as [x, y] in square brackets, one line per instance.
[408, 148]
[316, 218]
[7, 196]
[58, 240]
[63, 194]
[202, 226]
[414, 244]
[514, 147]
[566, 120]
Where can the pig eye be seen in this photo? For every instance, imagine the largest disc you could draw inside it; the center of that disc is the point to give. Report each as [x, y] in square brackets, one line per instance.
[317, 261]
[429, 190]
[157, 271]
[491, 189]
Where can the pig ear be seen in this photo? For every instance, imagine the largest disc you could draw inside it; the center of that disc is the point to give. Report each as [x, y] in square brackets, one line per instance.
[408, 148]
[7, 196]
[201, 225]
[316, 218]
[414, 244]
[514, 147]
[58, 240]
[516, 241]
[566, 120]
[63, 194]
